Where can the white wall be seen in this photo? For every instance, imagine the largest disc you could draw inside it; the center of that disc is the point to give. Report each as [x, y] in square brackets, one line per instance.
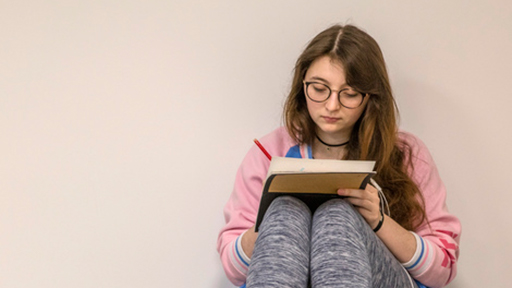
[122, 124]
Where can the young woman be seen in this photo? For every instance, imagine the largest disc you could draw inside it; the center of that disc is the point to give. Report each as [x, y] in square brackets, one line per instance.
[341, 107]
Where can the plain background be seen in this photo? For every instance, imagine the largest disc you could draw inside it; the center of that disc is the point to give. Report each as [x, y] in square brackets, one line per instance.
[122, 125]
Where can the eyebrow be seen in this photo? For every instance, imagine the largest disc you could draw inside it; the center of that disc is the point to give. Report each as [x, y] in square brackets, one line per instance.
[347, 87]
[319, 78]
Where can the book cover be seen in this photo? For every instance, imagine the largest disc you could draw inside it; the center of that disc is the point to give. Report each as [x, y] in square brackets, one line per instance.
[313, 181]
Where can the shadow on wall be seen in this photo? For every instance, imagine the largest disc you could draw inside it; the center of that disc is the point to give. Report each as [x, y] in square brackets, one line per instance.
[448, 126]
[223, 282]
[458, 283]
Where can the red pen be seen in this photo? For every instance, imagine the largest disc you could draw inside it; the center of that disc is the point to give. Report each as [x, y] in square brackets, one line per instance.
[262, 149]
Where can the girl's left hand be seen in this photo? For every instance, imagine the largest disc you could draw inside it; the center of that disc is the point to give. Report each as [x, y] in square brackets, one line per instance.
[366, 201]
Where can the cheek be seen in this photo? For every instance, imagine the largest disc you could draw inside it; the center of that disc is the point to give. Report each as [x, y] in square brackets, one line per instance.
[360, 110]
[356, 114]
[312, 107]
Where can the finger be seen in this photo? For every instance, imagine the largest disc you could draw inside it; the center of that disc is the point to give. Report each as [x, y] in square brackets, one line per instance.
[361, 194]
[369, 209]
[371, 190]
[350, 192]
[366, 204]
[372, 193]
[371, 218]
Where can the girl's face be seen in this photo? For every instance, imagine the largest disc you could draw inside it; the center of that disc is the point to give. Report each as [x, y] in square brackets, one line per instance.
[334, 122]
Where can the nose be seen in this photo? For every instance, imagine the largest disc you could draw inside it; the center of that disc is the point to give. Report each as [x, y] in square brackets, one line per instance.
[333, 103]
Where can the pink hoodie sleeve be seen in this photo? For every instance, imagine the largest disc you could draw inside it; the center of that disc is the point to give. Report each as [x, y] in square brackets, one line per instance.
[441, 238]
[242, 207]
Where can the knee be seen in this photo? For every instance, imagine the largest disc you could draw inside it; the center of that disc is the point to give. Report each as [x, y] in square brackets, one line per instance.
[337, 205]
[339, 212]
[289, 203]
[287, 210]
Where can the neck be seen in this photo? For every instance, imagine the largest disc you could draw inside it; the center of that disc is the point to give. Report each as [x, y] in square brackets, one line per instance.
[321, 151]
[331, 139]
[332, 144]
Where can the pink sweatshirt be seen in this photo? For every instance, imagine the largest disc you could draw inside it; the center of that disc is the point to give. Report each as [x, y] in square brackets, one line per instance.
[435, 261]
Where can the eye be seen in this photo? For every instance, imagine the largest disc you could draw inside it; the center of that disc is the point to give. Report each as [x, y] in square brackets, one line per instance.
[351, 94]
[319, 87]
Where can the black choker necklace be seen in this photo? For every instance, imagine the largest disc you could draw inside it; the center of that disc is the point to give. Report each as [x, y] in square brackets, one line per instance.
[331, 145]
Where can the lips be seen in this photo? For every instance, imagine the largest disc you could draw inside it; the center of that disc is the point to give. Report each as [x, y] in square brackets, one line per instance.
[330, 119]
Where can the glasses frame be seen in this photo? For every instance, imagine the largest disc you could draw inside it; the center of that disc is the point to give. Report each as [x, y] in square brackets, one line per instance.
[307, 83]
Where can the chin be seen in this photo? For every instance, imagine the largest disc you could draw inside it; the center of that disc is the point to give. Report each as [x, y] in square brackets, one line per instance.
[331, 130]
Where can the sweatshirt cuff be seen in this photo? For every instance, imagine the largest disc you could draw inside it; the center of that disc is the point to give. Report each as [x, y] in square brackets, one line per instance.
[238, 257]
[422, 258]
[241, 251]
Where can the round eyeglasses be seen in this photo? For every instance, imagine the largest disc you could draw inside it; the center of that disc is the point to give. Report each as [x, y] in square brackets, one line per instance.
[319, 92]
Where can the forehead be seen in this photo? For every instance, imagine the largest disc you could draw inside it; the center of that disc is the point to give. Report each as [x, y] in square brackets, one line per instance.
[327, 70]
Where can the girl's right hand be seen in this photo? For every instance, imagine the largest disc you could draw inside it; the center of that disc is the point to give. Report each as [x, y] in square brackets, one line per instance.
[248, 241]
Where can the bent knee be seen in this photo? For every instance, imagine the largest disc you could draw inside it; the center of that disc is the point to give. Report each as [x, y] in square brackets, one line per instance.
[288, 207]
[289, 202]
[339, 209]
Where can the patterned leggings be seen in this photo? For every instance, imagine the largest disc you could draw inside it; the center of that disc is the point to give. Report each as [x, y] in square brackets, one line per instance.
[333, 248]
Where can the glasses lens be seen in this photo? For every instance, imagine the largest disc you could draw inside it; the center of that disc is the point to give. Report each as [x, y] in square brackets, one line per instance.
[318, 92]
[351, 99]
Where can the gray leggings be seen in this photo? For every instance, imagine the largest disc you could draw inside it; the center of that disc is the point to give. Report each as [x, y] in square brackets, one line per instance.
[333, 248]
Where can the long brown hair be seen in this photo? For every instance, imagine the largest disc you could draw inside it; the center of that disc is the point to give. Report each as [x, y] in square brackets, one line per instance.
[375, 134]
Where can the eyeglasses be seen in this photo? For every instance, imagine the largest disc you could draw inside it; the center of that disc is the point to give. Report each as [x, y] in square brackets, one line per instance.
[319, 92]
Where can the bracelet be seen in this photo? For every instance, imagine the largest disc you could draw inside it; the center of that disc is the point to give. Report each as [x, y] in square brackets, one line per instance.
[380, 222]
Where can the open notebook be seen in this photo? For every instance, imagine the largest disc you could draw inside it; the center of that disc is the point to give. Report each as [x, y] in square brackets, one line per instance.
[314, 181]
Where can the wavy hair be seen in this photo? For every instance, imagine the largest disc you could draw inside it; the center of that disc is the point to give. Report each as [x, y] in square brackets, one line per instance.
[375, 134]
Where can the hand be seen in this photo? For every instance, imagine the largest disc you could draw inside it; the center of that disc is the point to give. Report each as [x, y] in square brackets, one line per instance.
[366, 201]
[248, 241]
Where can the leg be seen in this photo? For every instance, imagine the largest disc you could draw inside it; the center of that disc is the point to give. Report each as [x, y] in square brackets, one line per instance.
[345, 252]
[281, 253]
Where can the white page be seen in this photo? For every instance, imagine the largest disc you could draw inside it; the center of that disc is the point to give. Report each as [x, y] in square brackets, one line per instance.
[280, 165]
